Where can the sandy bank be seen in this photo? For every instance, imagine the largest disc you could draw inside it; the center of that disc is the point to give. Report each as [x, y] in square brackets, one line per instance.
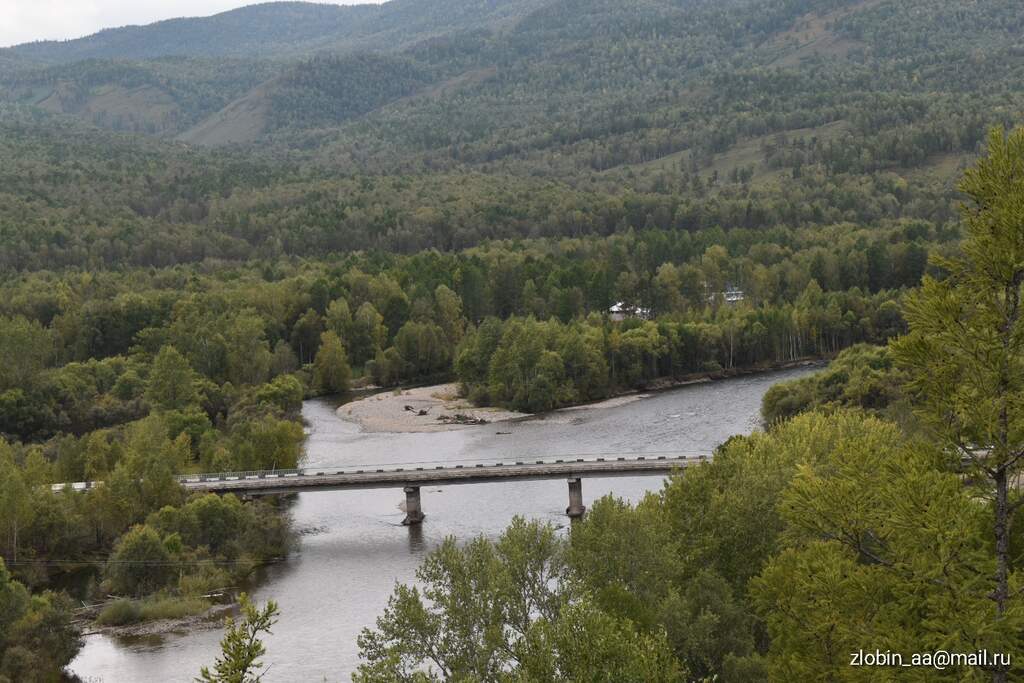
[387, 412]
[399, 411]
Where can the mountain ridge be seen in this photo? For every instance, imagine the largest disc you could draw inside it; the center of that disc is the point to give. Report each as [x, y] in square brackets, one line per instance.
[275, 30]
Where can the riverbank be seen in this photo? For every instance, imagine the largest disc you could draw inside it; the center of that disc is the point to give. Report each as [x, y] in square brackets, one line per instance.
[439, 408]
[697, 377]
[211, 618]
[125, 618]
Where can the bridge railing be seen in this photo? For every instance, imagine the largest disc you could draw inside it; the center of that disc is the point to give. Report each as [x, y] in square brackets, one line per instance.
[417, 467]
[227, 476]
[75, 486]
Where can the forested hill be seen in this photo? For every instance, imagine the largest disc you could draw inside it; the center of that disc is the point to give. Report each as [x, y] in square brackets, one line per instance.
[257, 30]
[443, 123]
[589, 84]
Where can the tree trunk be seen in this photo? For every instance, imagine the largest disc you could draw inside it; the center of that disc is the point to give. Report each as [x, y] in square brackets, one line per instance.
[1001, 479]
[1001, 594]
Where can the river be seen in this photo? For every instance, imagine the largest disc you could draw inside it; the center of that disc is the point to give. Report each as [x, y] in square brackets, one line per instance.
[354, 548]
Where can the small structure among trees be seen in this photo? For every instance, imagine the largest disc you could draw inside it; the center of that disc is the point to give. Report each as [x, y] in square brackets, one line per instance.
[621, 310]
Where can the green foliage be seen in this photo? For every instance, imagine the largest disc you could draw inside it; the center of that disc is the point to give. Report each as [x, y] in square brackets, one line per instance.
[283, 395]
[882, 546]
[964, 358]
[16, 509]
[241, 647]
[171, 383]
[123, 612]
[277, 31]
[14, 599]
[627, 557]
[25, 349]
[367, 333]
[442, 127]
[140, 563]
[859, 377]
[586, 644]
[265, 444]
[535, 366]
[503, 611]
[210, 521]
[120, 612]
[682, 561]
[37, 638]
[421, 350]
[238, 333]
[965, 349]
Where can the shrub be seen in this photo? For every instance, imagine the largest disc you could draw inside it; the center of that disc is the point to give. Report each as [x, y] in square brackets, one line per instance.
[123, 612]
[172, 608]
[119, 613]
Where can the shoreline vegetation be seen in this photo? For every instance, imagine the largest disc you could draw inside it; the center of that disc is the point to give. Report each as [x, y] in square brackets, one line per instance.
[126, 617]
[437, 408]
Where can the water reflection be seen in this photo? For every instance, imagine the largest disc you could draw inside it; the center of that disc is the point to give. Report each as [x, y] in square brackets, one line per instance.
[417, 542]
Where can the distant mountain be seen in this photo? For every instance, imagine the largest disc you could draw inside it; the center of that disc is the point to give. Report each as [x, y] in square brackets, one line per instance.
[282, 29]
[691, 114]
[563, 88]
[239, 75]
[265, 30]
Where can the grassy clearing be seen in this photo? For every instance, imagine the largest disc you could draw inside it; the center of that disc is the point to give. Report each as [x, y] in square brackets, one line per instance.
[123, 612]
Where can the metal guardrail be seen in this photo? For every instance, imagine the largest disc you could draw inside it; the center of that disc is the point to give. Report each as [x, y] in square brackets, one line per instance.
[231, 476]
[75, 486]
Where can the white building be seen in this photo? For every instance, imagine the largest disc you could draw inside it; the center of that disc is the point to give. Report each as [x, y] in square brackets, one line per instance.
[621, 311]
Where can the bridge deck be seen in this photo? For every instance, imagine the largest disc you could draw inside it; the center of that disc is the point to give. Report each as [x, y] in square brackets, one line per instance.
[292, 481]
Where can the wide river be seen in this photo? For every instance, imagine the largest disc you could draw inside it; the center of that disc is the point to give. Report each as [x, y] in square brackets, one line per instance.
[355, 549]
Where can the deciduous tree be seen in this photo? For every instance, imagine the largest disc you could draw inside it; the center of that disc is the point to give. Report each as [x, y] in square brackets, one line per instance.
[331, 372]
[242, 647]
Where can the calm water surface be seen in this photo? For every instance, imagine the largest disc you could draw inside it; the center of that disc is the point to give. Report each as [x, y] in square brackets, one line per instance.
[340, 578]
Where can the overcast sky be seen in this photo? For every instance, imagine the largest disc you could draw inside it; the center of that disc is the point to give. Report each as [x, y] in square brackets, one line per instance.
[24, 20]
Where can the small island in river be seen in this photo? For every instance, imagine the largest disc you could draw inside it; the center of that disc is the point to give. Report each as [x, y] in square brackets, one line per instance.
[422, 409]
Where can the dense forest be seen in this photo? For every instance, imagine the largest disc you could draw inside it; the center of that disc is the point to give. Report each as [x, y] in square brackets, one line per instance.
[570, 121]
[205, 221]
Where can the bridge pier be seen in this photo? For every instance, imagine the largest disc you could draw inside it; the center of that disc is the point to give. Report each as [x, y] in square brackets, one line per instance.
[413, 510]
[576, 507]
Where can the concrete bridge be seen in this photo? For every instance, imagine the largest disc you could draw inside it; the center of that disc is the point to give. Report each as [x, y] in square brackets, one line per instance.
[411, 478]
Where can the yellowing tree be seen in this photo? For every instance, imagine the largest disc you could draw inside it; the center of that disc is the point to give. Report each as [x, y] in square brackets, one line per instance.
[331, 372]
